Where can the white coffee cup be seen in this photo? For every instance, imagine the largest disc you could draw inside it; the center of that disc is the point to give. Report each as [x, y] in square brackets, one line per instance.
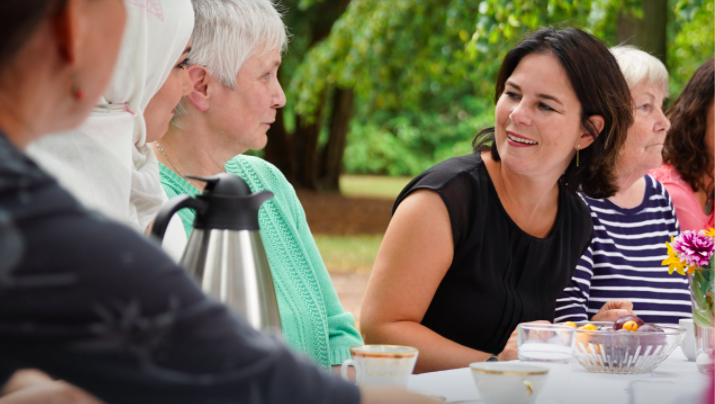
[381, 365]
[688, 343]
[508, 382]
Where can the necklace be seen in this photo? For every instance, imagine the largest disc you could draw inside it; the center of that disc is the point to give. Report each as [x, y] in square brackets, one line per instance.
[173, 167]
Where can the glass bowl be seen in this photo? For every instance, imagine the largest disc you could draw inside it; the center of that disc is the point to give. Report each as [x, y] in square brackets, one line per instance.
[625, 352]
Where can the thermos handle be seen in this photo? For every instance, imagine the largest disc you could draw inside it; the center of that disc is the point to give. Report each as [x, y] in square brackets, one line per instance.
[161, 222]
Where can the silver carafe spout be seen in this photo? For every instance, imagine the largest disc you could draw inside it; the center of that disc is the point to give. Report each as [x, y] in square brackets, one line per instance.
[225, 253]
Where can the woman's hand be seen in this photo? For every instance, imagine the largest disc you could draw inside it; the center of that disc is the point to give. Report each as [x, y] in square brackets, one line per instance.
[52, 392]
[510, 351]
[614, 309]
[23, 379]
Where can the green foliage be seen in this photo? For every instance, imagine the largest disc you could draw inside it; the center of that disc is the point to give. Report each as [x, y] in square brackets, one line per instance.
[692, 40]
[408, 142]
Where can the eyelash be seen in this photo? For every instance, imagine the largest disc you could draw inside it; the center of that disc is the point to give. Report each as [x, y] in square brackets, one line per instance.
[545, 107]
[184, 64]
[542, 106]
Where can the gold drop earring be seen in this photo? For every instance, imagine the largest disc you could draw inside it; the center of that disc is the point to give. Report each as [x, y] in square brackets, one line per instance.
[578, 147]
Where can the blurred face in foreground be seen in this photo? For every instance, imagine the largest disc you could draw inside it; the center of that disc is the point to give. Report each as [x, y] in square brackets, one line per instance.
[643, 148]
[99, 28]
[246, 112]
[538, 118]
[63, 67]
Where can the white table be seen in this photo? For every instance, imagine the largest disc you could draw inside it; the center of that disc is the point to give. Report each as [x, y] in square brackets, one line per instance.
[675, 381]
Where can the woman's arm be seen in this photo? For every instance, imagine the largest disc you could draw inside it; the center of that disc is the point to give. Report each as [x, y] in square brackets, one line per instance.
[572, 303]
[413, 259]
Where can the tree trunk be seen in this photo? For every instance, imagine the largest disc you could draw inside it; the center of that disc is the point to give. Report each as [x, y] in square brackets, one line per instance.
[655, 24]
[649, 33]
[305, 145]
[332, 155]
[279, 149]
[297, 155]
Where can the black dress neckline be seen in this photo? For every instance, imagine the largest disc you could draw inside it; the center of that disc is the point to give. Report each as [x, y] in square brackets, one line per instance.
[493, 193]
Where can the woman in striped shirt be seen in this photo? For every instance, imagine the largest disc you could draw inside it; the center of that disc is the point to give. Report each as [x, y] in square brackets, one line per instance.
[622, 265]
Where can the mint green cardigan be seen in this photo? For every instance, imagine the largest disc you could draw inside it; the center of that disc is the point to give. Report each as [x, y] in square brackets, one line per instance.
[312, 317]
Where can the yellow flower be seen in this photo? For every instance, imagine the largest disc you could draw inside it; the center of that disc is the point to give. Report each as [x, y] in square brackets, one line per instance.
[710, 233]
[673, 262]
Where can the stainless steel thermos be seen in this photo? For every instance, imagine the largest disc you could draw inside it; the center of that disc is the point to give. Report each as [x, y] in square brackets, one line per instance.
[225, 252]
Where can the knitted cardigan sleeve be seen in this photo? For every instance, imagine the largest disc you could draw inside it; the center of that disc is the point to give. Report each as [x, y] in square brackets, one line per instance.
[341, 325]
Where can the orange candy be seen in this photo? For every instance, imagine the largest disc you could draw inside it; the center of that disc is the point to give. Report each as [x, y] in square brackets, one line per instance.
[630, 326]
[570, 324]
[589, 327]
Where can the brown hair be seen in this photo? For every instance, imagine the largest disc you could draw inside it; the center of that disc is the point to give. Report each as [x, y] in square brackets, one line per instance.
[684, 147]
[18, 21]
[600, 88]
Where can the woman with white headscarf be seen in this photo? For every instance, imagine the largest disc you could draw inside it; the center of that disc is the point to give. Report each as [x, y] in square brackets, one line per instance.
[105, 163]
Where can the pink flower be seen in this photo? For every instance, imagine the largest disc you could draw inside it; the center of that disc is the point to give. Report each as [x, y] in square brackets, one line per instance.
[693, 249]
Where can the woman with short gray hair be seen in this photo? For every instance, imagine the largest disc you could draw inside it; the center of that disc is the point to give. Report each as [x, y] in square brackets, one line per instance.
[235, 58]
[622, 265]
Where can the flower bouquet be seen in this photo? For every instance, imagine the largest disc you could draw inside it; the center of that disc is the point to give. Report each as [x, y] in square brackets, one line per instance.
[691, 254]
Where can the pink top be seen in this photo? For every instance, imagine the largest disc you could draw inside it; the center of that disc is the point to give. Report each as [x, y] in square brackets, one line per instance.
[687, 207]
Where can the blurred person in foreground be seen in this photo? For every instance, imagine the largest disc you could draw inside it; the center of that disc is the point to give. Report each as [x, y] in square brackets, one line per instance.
[106, 163]
[236, 95]
[624, 261]
[87, 299]
[688, 171]
[481, 243]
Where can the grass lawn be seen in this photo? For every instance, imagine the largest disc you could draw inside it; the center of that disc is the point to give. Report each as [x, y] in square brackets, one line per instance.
[349, 261]
[372, 186]
[348, 253]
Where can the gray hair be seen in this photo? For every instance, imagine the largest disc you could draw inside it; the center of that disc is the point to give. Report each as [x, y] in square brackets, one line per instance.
[228, 32]
[641, 67]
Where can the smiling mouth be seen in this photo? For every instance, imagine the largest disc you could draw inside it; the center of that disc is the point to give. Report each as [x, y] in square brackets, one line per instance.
[521, 139]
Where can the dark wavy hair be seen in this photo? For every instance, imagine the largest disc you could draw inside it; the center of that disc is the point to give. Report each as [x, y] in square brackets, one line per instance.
[684, 147]
[18, 21]
[601, 89]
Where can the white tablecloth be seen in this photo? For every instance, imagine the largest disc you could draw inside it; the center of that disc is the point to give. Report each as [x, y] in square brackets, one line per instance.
[675, 381]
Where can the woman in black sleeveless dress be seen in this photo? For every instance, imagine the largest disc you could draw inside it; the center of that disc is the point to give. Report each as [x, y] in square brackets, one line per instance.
[481, 243]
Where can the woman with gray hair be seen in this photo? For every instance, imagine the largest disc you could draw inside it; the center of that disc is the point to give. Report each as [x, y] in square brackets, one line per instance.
[622, 265]
[235, 56]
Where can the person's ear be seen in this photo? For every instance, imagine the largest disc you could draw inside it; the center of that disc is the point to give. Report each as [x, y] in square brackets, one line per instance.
[596, 122]
[200, 80]
[68, 27]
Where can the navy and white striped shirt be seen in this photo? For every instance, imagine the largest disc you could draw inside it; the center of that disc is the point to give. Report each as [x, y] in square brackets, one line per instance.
[624, 262]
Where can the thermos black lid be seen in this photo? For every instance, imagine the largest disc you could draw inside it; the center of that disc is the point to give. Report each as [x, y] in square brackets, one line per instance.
[226, 204]
[229, 204]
